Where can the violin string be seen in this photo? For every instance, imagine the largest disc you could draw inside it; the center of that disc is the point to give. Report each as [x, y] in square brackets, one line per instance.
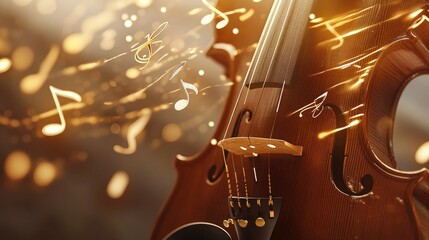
[228, 178]
[256, 58]
[267, 74]
[236, 179]
[270, 193]
[254, 64]
[245, 182]
[271, 25]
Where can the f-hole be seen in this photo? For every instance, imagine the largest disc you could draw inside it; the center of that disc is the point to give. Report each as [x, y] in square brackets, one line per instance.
[213, 176]
[338, 158]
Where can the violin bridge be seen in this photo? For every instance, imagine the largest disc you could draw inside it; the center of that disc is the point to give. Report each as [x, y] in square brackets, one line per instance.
[253, 146]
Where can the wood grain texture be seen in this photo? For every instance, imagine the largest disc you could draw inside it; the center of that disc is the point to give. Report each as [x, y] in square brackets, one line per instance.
[364, 78]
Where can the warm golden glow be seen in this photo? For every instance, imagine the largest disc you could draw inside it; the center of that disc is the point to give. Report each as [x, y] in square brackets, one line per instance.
[5, 64]
[22, 58]
[17, 165]
[422, 153]
[75, 43]
[132, 73]
[211, 124]
[327, 133]
[171, 132]
[117, 184]
[44, 174]
[143, 3]
[414, 14]
[33, 82]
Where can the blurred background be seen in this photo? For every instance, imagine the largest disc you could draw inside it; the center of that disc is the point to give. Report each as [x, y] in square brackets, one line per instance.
[90, 181]
[108, 172]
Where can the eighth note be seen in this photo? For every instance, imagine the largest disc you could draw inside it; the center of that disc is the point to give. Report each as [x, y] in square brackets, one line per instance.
[183, 103]
[135, 129]
[55, 128]
[209, 17]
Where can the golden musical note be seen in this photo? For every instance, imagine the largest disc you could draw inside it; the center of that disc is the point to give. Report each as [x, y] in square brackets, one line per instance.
[336, 34]
[135, 129]
[55, 128]
[183, 103]
[209, 17]
[178, 69]
[316, 105]
[32, 83]
[145, 58]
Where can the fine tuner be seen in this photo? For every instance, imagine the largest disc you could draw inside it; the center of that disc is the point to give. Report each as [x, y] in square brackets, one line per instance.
[254, 220]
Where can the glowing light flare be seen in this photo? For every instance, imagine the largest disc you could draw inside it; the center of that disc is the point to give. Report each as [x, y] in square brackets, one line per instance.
[211, 124]
[32, 83]
[117, 184]
[143, 3]
[77, 42]
[17, 165]
[89, 66]
[246, 16]
[194, 11]
[133, 131]
[422, 153]
[353, 61]
[357, 115]
[327, 133]
[414, 14]
[171, 132]
[213, 142]
[271, 146]
[132, 73]
[338, 37]
[358, 83]
[44, 174]
[419, 21]
[5, 64]
[22, 58]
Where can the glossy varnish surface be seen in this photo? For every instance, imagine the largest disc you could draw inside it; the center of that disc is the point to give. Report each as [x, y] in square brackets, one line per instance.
[325, 194]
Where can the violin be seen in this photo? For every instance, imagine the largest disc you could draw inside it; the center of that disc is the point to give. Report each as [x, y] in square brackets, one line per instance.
[304, 146]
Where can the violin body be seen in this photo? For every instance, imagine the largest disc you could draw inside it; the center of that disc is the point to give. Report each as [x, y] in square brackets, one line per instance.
[339, 103]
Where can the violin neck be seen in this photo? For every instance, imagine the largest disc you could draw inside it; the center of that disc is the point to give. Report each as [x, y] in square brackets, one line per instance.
[278, 50]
